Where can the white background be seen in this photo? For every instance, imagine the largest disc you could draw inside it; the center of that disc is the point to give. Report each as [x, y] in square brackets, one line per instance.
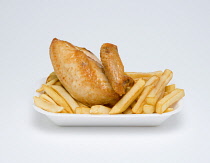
[150, 35]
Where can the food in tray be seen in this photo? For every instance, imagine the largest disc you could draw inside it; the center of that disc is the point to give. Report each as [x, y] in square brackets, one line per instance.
[82, 84]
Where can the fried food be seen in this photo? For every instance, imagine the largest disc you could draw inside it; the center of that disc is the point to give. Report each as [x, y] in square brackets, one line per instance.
[128, 111]
[140, 102]
[114, 69]
[170, 88]
[152, 81]
[82, 110]
[148, 109]
[51, 77]
[57, 98]
[58, 83]
[83, 84]
[47, 98]
[81, 75]
[169, 100]
[135, 75]
[169, 110]
[89, 54]
[150, 84]
[99, 109]
[155, 94]
[51, 82]
[128, 98]
[81, 104]
[65, 95]
[48, 106]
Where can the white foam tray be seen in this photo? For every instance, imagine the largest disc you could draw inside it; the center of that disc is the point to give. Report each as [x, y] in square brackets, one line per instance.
[64, 119]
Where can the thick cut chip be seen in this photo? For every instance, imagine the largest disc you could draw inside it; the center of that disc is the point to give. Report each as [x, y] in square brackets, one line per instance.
[48, 106]
[170, 88]
[57, 98]
[138, 106]
[135, 75]
[99, 109]
[159, 88]
[53, 81]
[63, 93]
[128, 111]
[169, 100]
[81, 104]
[152, 81]
[82, 110]
[58, 83]
[133, 104]
[150, 84]
[64, 111]
[169, 110]
[128, 98]
[148, 109]
[51, 77]
[47, 98]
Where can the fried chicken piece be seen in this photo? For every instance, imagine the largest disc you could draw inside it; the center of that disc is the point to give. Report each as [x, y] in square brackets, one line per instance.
[114, 68]
[81, 75]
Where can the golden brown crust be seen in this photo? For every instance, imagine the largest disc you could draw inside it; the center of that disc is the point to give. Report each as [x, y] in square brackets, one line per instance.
[114, 68]
[82, 77]
[89, 54]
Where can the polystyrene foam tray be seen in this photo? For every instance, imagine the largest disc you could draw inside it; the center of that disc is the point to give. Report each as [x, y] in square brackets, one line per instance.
[64, 119]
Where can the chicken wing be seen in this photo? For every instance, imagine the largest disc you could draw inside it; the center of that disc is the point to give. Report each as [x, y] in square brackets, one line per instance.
[114, 68]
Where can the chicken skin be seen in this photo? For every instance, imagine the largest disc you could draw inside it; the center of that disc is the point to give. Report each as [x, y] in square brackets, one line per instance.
[81, 74]
[114, 68]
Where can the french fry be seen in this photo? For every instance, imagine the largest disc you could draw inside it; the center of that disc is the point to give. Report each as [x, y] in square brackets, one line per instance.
[165, 93]
[58, 83]
[51, 77]
[149, 94]
[169, 100]
[147, 79]
[47, 98]
[52, 73]
[137, 107]
[49, 83]
[128, 98]
[149, 85]
[148, 109]
[52, 81]
[133, 103]
[135, 75]
[82, 105]
[64, 111]
[48, 106]
[128, 111]
[160, 95]
[170, 88]
[144, 78]
[57, 98]
[82, 110]
[152, 81]
[99, 109]
[66, 96]
[169, 110]
[160, 86]
[40, 89]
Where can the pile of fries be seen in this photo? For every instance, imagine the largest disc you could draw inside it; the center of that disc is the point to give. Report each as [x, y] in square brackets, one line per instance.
[150, 94]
